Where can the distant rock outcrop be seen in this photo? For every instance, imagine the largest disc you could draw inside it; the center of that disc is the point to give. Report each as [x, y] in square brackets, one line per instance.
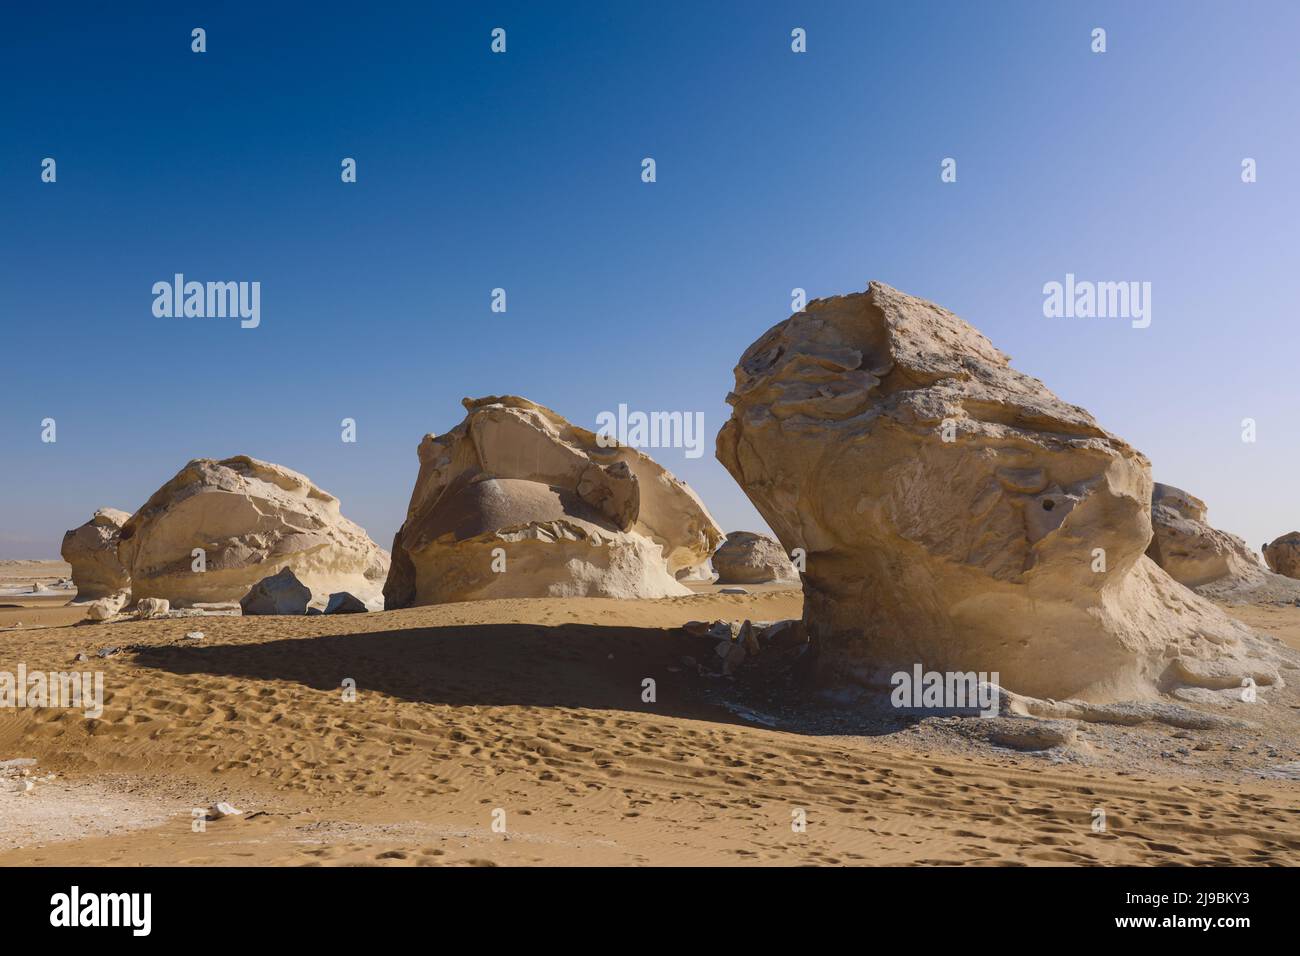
[1191, 551]
[515, 501]
[246, 519]
[957, 514]
[749, 558]
[1283, 554]
[92, 551]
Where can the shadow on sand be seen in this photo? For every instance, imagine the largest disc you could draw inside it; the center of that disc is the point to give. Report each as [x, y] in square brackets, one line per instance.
[569, 665]
[526, 665]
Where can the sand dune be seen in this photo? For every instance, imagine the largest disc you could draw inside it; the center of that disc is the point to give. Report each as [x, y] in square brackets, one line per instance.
[534, 707]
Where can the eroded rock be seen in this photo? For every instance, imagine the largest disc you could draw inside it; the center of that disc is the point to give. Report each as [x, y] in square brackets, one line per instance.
[1190, 550]
[249, 519]
[956, 513]
[92, 551]
[515, 501]
[1283, 554]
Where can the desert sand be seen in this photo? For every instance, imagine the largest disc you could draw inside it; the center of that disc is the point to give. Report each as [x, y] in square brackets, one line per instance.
[534, 707]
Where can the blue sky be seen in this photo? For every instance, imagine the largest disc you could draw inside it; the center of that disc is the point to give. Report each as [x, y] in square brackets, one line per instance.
[522, 171]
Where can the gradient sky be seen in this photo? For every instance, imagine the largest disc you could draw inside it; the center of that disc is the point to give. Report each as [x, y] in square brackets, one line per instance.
[522, 170]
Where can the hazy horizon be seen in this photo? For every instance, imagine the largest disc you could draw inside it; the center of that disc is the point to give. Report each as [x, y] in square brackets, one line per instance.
[775, 170]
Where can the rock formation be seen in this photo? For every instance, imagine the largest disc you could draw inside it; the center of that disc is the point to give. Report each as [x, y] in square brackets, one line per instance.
[251, 519]
[1191, 551]
[517, 502]
[92, 551]
[1283, 554]
[956, 513]
[749, 558]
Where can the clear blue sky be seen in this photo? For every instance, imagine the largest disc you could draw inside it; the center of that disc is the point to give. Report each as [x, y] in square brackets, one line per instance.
[522, 171]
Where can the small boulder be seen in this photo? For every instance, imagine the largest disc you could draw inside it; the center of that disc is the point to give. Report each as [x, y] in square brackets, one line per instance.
[343, 602]
[147, 609]
[749, 558]
[106, 607]
[281, 593]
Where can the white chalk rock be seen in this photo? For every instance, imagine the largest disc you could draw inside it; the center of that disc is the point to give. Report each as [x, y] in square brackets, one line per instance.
[250, 519]
[515, 501]
[956, 513]
[92, 551]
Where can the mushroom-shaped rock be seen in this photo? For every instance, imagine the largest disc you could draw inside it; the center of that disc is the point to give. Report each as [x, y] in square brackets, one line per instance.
[92, 551]
[1191, 551]
[219, 527]
[954, 512]
[1283, 554]
[515, 501]
[749, 558]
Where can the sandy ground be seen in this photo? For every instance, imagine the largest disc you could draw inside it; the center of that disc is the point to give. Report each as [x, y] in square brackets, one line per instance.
[530, 715]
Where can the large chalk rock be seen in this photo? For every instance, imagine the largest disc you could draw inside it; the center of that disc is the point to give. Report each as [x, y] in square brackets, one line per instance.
[92, 551]
[1283, 554]
[1191, 551]
[749, 558]
[517, 502]
[251, 519]
[955, 513]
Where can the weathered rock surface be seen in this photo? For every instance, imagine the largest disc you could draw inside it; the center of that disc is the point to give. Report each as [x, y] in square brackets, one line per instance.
[1190, 550]
[280, 593]
[956, 513]
[1283, 554]
[749, 558]
[251, 519]
[92, 551]
[515, 501]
